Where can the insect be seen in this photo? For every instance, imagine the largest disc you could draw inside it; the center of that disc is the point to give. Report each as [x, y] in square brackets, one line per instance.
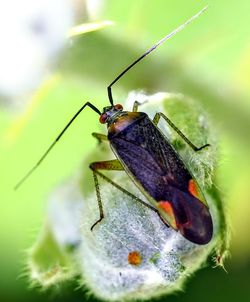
[149, 159]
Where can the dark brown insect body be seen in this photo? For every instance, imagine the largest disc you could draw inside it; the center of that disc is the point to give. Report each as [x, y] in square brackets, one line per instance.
[156, 168]
[151, 162]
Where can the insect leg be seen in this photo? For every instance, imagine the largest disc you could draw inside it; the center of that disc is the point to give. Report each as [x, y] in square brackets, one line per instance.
[112, 165]
[100, 137]
[137, 104]
[156, 120]
[104, 165]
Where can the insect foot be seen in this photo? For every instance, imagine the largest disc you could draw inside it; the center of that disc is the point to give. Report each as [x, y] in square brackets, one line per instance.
[130, 254]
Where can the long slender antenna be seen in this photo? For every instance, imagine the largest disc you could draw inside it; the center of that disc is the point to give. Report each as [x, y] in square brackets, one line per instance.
[55, 141]
[168, 36]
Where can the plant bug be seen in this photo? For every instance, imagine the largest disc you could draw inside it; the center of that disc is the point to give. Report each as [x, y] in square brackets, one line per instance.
[149, 159]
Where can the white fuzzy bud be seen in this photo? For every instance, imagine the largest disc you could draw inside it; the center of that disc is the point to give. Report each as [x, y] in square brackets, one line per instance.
[131, 254]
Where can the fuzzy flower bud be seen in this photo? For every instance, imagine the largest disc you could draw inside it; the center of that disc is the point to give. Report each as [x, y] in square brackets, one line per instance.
[131, 254]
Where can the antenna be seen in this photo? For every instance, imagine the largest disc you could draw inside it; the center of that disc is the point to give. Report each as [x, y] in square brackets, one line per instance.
[54, 142]
[109, 93]
[164, 39]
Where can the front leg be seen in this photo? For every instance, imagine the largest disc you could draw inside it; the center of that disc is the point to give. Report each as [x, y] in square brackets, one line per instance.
[137, 104]
[100, 137]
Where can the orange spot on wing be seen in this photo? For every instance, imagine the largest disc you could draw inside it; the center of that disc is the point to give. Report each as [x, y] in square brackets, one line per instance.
[167, 208]
[134, 258]
[193, 188]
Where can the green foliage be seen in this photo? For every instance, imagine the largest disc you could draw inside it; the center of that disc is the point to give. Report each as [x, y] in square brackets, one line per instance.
[208, 62]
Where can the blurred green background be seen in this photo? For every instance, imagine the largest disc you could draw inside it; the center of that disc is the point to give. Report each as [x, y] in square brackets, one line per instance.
[209, 60]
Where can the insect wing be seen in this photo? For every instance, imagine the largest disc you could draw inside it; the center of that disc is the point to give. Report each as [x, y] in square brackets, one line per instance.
[189, 215]
[156, 168]
[149, 158]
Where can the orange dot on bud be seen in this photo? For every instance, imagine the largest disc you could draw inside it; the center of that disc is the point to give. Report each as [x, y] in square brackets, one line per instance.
[134, 258]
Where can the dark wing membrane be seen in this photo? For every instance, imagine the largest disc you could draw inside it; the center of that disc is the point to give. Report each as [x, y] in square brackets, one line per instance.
[192, 217]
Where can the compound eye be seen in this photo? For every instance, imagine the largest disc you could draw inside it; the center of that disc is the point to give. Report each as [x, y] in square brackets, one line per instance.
[103, 118]
[118, 107]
